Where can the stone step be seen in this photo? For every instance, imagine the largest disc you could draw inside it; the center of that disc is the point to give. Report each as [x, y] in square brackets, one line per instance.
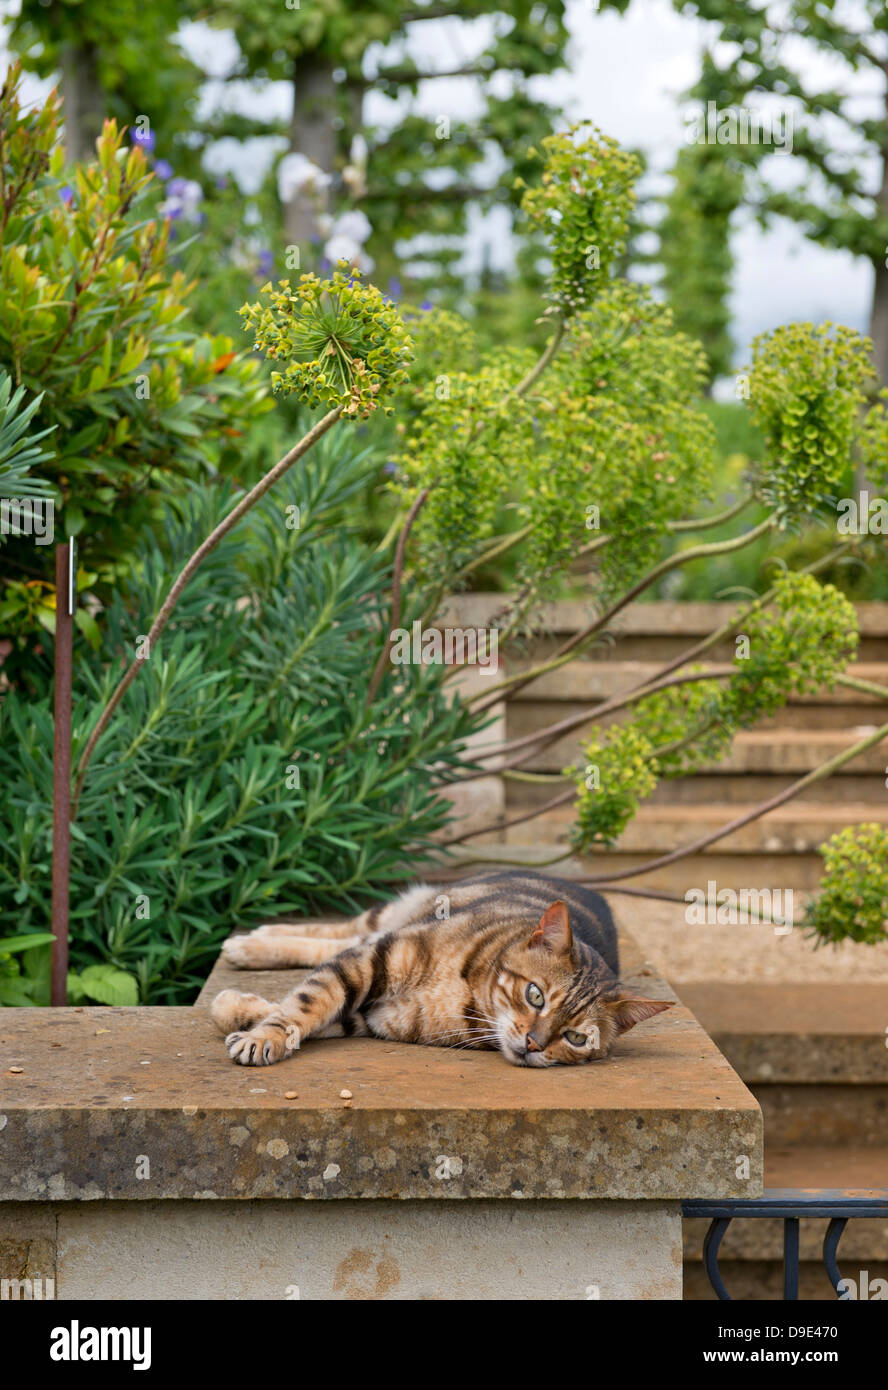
[731, 789]
[530, 715]
[585, 680]
[654, 830]
[689, 621]
[787, 869]
[812, 1032]
[789, 751]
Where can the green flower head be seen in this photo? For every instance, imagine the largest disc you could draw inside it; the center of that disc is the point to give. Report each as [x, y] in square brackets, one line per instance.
[343, 342]
[583, 204]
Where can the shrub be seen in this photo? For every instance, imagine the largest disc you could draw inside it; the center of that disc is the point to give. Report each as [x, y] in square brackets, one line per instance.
[242, 775]
[92, 318]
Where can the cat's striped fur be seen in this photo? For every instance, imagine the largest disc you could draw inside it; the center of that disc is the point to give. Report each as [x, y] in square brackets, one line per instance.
[513, 961]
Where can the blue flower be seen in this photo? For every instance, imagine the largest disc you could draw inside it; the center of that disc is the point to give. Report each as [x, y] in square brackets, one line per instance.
[394, 287]
[426, 304]
[144, 139]
[163, 169]
[67, 195]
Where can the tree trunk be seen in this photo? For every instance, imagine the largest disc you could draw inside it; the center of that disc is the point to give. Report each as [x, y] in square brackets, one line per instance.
[878, 329]
[313, 134]
[83, 102]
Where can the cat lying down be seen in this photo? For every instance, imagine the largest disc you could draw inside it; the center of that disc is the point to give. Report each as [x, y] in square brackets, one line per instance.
[516, 962]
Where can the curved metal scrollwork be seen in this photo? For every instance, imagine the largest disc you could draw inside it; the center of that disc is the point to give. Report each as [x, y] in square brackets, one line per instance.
[790, 1205]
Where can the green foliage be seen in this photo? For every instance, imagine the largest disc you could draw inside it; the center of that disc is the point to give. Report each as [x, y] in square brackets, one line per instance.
[124, 68]
[92, 318]
[620, 771]
[801, 61]
[874, 444]
[695, 250]
[798, 644]
[25, 964]
[344, 342]
[627, 395]
[243, 775]
[806, 392]
[583, 201]
[19, 450]
[102, 984]
[624, 389]
[853, 900]
[16, 987]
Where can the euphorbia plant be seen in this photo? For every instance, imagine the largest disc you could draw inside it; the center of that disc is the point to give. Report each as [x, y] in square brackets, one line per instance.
[342, 347]
[600, 453]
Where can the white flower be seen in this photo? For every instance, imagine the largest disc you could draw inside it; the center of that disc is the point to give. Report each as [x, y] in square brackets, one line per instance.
[297, 172]
[354, 225]
[345, 248]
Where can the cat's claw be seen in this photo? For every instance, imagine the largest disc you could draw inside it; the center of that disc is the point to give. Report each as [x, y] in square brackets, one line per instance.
[262, 1046]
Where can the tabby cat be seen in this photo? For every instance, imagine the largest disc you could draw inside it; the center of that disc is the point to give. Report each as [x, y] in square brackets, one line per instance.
[508, 969]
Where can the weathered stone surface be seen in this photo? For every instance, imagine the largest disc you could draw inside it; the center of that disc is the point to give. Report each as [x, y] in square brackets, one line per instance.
[144, 1104]
[370, 1251]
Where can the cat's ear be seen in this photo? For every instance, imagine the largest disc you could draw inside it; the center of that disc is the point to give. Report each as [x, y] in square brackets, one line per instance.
[553, 931]
[627, 1010]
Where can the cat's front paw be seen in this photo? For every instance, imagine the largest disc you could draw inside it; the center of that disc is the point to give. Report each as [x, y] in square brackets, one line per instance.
[249, 951]
[263, 1045]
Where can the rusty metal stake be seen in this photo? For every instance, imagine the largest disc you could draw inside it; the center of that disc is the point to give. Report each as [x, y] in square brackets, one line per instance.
[61, 798]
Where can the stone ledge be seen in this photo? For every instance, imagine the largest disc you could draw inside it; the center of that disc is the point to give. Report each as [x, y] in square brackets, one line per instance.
[103, 1089]
[811, 1032]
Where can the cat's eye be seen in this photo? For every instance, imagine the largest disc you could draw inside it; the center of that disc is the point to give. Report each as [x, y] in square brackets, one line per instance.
[576, 1039]
[534, 995]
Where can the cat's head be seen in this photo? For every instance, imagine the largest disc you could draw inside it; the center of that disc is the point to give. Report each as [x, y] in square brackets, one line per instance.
[549, 1003]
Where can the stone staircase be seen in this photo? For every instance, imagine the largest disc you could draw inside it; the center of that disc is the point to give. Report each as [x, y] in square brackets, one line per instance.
[779, 850]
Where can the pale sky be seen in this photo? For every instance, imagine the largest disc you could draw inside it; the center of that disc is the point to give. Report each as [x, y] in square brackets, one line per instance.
[626, 73]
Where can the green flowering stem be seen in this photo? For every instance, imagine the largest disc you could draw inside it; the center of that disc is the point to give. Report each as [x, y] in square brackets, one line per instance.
[397, 578]
[203, 550]
[542, 362]
[865, 687]
[513, 776]
[818, 774]
[581, 639]
[703, 523]
[560, 800]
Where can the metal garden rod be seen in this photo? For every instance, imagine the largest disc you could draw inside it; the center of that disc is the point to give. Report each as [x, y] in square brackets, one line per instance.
[61, 772]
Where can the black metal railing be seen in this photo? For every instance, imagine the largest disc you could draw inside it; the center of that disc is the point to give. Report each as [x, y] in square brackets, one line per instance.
[791, 1204]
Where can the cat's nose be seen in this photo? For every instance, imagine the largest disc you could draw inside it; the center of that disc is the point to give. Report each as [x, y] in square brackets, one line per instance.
[531, 1044]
